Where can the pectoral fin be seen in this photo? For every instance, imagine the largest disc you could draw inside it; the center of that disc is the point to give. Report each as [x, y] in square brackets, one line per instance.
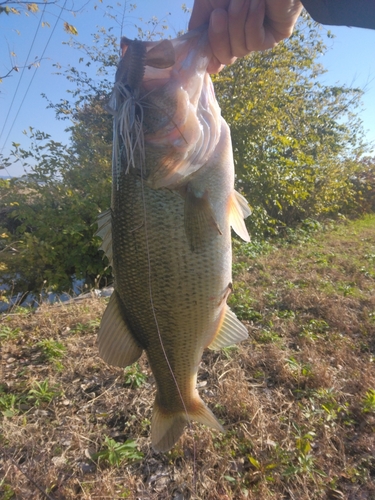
[238, 211]
[200, 223]
[105, 233]
[231, 331]
[117, 346]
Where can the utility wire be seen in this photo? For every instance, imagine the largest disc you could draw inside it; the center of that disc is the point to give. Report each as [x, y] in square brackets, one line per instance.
[32, 78]
[20, 79]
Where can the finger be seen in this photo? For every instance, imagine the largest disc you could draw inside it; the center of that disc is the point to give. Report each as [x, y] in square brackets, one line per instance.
[237, 15]
[214, 66]
[258, 36]
[218, 35]
[202, 10]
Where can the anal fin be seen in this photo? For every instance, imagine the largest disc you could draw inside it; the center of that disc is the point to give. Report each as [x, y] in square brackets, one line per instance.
[117, 345]
[231, 331]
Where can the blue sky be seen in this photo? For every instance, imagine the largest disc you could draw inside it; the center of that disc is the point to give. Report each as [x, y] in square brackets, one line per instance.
[350, 60]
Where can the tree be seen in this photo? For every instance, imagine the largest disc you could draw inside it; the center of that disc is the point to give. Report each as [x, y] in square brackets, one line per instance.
[47, 232]
[296, 141]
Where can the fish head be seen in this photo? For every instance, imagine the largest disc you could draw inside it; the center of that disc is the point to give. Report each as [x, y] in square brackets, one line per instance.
[165, 107]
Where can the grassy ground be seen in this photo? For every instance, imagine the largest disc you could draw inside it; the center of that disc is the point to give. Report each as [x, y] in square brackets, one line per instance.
[297, 399]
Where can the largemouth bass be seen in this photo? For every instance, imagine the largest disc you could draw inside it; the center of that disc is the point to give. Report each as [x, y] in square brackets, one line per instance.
[167, 234]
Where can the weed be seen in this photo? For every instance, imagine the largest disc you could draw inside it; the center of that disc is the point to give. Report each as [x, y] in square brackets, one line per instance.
[346, 289]
[89, 327]
[41, 392]
[7, 333]
[368, 402]
[314, 329]
[332, 409]
[9, 404]
[51, 349]
[267, 336]
[263, 468]
[116, 453]
[20, 310]
[6, 491]
[304, 462]
[297, 368]
[286, 314]
[283, 432]
[230, 351]
[243, 304]
[133, 377]
[253, 249]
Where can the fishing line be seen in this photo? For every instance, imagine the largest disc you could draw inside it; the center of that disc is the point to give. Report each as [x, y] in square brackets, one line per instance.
[140, 142]
[155, 318]
[128, 111]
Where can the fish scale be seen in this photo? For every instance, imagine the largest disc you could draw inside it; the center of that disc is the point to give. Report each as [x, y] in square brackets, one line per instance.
[167, 234]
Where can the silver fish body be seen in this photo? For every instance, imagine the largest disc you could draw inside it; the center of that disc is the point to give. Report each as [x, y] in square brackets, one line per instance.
[168, 234]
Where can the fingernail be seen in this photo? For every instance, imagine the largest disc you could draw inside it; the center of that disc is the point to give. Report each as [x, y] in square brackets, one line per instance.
[235, 7]
[254, 5]
[218, 21]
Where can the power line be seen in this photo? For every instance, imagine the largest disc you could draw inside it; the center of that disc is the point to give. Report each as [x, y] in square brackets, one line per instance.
[32, 78]
[20, 79]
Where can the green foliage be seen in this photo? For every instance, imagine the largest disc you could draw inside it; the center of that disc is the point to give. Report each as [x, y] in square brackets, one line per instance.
[51, 349]
[368, 402]
[299, 369]
[84, 328]
[133, 376]
[50, 217]
[315, 329]
[297, 142]
[304, 461]
[6, 490]
[7, 333]
[41, 392]
[9, 404]
[116, 453]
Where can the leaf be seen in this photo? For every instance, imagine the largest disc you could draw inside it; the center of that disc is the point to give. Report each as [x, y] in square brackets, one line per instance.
[32, 7]
[12, 10]
[254, 462]
[69, 28]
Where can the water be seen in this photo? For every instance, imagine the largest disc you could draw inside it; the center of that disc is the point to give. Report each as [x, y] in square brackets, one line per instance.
[32, 300]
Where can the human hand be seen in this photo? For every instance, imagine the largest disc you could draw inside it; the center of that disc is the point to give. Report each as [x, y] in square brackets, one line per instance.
[238, 27]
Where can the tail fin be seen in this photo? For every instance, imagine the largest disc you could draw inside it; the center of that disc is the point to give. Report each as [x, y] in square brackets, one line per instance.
[167, 427]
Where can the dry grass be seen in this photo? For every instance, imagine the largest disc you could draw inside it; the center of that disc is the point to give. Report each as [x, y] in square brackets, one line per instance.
[295, 398]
